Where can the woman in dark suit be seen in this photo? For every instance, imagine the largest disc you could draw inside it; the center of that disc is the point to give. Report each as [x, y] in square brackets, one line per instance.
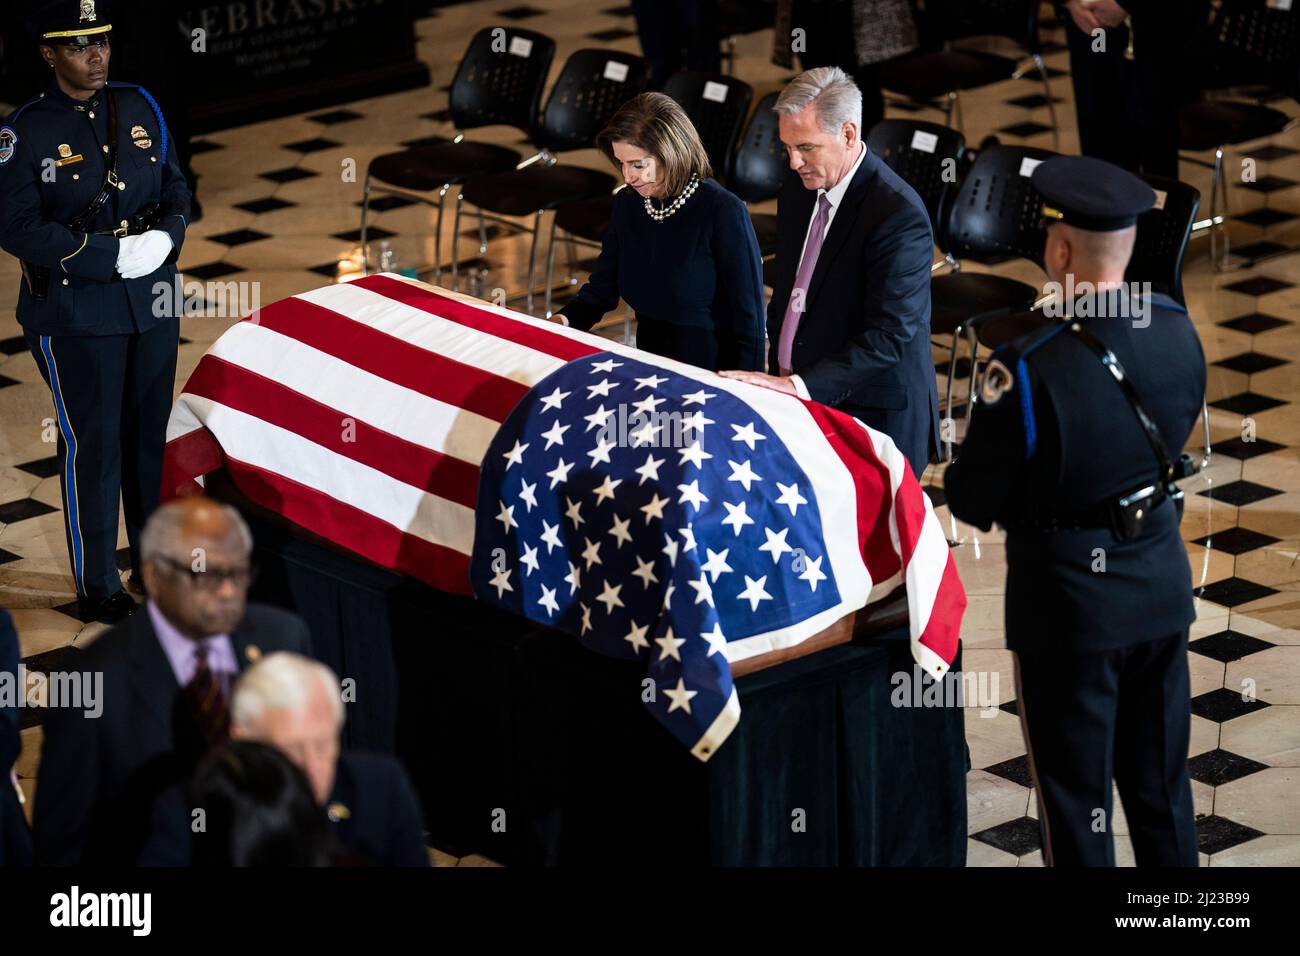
[680, 249]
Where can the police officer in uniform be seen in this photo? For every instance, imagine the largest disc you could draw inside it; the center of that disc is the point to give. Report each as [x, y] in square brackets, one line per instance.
[1098, 597]
[94, 204]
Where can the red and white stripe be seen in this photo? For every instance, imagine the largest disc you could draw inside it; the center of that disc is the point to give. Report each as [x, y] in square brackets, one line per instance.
[361, 412]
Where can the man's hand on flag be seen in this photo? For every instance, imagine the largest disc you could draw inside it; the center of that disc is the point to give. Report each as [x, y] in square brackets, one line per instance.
[778, 383]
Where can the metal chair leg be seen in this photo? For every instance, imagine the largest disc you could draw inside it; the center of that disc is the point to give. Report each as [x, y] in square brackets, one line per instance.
[532, 258]
[365, 211]
[1205, 424]
[437, 238]
[1220, 264]
[947, 113]
[972, 334]
[952, 375]
[482, 234]
[455, 243]
[550, 266]
[1051, 105]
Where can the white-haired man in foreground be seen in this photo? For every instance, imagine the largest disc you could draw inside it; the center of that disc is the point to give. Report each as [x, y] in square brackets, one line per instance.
[295, 705]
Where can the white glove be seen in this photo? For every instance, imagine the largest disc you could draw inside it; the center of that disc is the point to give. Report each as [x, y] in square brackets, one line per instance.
[142, 255]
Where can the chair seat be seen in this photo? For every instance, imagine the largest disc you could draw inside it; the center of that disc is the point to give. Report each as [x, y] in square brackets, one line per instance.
[588, 219]
[764, 231]
[1209, 124]
[428, 168]
[958, 297]
[996, 332]
[521, 192]
[927, 76]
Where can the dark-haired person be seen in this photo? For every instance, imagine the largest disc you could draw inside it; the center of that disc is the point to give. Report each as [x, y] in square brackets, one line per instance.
[93, 203]
[258, 810]
[680, 249]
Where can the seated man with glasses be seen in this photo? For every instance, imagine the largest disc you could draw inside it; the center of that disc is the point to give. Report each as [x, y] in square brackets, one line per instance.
[166, 677]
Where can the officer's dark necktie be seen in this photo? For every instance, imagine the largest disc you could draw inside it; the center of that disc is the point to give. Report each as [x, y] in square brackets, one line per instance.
[206, 699]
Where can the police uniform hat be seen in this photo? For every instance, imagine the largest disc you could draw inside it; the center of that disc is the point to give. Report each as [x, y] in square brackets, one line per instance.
[1091, 193]
[72, 22]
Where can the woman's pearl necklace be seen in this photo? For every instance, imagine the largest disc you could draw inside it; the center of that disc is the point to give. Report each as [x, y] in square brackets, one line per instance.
[659, 215]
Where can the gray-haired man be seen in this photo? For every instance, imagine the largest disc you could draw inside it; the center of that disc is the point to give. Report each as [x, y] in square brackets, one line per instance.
[849, 319]
[167, 672]
[295, 705]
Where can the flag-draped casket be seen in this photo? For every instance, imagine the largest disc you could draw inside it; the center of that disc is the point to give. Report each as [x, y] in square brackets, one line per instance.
[653, 510]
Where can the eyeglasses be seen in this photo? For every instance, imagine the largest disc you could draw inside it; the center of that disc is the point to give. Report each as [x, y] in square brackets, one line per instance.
[210, 579]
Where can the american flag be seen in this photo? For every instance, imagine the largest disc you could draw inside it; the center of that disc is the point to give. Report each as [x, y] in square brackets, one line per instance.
[653, 510]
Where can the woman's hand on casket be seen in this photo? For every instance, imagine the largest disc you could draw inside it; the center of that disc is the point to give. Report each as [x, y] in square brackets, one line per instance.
[560, 317]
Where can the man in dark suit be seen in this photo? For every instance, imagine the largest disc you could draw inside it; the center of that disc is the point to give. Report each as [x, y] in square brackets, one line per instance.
[167, 672]
[1073, 449]
[849, 320]
[15, 839]
[295, 705]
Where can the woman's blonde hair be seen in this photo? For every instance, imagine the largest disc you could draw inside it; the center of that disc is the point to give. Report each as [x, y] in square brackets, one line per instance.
[655, 123]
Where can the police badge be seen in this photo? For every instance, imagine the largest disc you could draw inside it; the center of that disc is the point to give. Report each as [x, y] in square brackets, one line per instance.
[8, 140]
[88, 11]
[140, 137]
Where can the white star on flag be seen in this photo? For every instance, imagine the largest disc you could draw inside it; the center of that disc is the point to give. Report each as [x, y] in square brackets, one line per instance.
[552, 401]
[502, 581]
[650, 381]
[609, 597]
[650, 469]
[555, 434]
[668, 645]
[619, 530]
[573, 579]
[591, 554]
[695, 454]
[697, 398]
[601, 388]
[547, 600]
[680, 697]
[527, 494]
[645, 570]
[736, 516]
[515, 456]
[790, 497]
[529, 559]
[692, 494]
[754, 592]
[605, 490]
[559, 473]
[551, 536]
[606, 366]
[747, 434]
[743, 473]
[507, 517]
[574, 513]
[597, 418]
[636, 637]
[655, 508]
[600, 452]
[717, 564]
[812, 571]
[776, 545]
[715, 639]
[648, 405]
[702, 590]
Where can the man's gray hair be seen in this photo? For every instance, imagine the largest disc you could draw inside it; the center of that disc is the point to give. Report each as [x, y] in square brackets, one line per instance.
[282, 681]
[830, 91]
[163, 530]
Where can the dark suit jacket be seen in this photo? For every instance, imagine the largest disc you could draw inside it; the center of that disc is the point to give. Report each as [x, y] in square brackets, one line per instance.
[15, 839]
[381, 823]
[863, 344]
[99, 777]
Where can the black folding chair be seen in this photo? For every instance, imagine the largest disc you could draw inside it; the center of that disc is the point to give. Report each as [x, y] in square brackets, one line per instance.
[498, 83]
[591, 87]
[927, 156]
[759, 169]
[997, 214]
[716, 105]
[942, 70]
[1249, 43]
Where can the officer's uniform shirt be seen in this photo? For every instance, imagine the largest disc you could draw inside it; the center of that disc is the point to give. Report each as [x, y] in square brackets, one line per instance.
[1062, 438]
[55, 135]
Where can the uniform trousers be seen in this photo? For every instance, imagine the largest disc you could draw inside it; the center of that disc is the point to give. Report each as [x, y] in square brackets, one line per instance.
[1120, 714]
[112, 398]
